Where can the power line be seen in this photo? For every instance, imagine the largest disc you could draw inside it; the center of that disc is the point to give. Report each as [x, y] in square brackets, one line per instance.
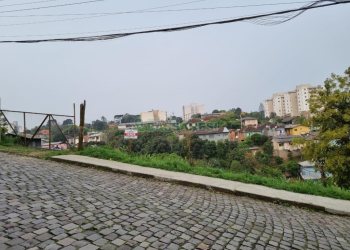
[51, 6]
[99, 15]
[179, 28]
[118, 30]
[91, 14]
[29, 3]
[151, 10]
[68, 4]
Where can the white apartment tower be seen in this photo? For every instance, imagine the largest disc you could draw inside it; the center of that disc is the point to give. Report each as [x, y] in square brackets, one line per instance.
[303, 95]
[291, 103]
[278, 104]
[154, 116]
[268, 107]
[193, 108]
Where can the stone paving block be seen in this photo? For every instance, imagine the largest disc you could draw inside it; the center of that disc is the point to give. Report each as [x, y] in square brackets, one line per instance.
[80, 243]
[118, 242]
[57, 204]
[100, 242]
[140, 238]
[41, 231]
[68, 248]
[109, 247]
[94, 237]
[52, 247]
[89, 247]
[60, 236]
[70, 226]
[66, 241]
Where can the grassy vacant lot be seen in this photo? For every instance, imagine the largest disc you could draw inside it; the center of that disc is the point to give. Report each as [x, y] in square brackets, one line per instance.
[173, 162]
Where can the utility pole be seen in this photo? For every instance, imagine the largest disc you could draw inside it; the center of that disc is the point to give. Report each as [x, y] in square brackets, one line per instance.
[0, 121]
[81, 125]
[74, 125]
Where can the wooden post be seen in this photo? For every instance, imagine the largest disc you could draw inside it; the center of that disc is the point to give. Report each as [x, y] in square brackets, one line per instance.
[81, 125]
[49, 131]
[74, 126]
[25, 128]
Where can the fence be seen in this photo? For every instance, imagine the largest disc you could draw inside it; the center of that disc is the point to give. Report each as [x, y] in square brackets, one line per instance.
[27, 138]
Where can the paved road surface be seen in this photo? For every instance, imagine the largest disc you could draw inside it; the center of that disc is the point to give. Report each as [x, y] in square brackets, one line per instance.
[48, 205]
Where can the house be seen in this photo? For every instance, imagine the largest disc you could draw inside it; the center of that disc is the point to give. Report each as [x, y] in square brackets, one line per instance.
[274, 131]
[96, 137]
[249, 122]
[309, 172]
[249, 131]
[55, 145]
[236, 135]
[289, 120]
[283, 145]
[297, 129]
[27, 139]
[241, 134]
[44, 132]
[216, 135]
[71, 140]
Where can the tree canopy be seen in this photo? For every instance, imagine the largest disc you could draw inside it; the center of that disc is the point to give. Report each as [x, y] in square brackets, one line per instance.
[330, 108]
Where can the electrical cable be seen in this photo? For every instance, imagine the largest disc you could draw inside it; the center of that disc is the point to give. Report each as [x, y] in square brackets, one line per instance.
[150, 10]
[52, 6]
[29, 3]
[97, 15]
[177, 28]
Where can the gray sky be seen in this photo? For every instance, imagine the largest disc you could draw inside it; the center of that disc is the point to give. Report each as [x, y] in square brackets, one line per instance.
[222, 66]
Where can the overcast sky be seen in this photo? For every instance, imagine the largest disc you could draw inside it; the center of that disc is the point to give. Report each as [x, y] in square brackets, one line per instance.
[222, 66]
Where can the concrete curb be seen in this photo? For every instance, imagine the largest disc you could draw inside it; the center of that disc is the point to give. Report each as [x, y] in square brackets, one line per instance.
[325, 204]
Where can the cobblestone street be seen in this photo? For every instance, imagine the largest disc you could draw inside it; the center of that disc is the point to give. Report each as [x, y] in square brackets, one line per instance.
[48, 205]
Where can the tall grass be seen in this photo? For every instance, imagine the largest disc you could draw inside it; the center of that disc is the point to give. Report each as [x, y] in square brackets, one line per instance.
[176, 163]
[32, 152]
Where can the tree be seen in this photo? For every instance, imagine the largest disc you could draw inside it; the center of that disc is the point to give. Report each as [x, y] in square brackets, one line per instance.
[127, 118]
[104, 119]
[237, 111]
[268, 148]
[258, 139]
[196, 116]
[177, 119]
[67, 122]
[3, 129]
[330, 109]
[99, 125]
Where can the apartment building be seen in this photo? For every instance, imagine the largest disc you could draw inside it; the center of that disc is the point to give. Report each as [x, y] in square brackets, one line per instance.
[268, 107]
[193, 108]
[278, 104]
[292, 103]
[154, 116]
[303, 94]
